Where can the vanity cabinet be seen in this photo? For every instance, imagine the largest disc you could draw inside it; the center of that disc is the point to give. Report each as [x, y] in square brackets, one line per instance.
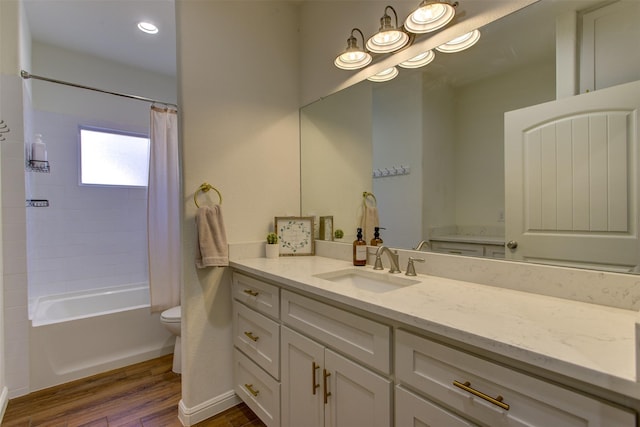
[322, 388]
[468, 249]
[488, 393]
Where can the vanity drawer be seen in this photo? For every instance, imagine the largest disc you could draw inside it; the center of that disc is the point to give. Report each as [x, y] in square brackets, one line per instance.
[257, 294]
[363, 339]
[258, 337]
[468, 249]
[433, 368]
[257, 389]
[413, 410]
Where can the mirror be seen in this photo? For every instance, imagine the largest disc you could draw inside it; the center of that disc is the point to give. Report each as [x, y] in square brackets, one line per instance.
[430, 144]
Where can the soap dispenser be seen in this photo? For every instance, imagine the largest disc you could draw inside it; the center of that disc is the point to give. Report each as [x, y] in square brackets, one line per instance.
[359, 250]
[376, 241]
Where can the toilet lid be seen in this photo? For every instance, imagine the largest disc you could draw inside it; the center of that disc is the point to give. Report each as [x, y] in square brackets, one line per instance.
[172, 314]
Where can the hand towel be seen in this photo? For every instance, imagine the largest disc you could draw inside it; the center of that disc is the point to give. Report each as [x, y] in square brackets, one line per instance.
[211, 248]
[369, 221]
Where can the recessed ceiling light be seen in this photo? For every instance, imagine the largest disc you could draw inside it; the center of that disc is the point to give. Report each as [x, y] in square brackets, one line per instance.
[147, 27]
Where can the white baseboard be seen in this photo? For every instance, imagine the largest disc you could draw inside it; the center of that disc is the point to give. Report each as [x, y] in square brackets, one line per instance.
[191, 416]
[4, 400]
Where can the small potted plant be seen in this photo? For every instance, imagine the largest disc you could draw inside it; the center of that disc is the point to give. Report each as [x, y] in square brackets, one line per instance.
[338, 234]
[271, 248]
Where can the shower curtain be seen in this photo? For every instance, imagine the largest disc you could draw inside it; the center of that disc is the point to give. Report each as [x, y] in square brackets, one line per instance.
[163, 210]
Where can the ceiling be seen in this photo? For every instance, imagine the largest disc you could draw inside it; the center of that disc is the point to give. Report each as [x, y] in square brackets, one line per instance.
[108, 29]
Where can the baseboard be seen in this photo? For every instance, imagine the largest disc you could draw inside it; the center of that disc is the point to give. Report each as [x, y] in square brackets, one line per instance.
[4, 400]
[191, 416]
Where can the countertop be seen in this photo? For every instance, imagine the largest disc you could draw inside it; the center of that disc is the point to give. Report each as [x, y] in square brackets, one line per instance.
[592, 343]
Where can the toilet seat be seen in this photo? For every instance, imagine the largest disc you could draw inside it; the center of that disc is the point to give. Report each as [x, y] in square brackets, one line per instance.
[172, 315]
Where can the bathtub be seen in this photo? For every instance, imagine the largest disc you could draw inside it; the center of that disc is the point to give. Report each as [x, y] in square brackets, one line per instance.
[80, 334]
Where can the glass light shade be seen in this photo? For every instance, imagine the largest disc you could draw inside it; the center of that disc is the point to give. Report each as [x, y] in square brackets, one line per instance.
[353, 57]
[431, 15]
[387, 41]
[384, 75]
[389, 38]
[458, 44]
[419, 60]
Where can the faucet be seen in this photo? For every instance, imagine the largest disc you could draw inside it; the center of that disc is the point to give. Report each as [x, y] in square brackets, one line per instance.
[411, 269]
[393, 258]
[421, 244]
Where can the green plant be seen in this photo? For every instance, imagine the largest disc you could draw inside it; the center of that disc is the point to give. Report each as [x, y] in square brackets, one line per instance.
[272, 238]
[338, 234]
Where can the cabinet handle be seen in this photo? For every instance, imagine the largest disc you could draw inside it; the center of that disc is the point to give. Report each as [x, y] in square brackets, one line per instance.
[251, 390]
[314, 367]
[466, 386]
[251, 292]
[251, 336]
[327, 393]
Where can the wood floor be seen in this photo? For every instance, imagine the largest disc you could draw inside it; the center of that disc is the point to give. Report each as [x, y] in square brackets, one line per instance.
[141, 395]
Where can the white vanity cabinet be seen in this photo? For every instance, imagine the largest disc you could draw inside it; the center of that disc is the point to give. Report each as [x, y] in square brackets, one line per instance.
[491, 394]
[322, 388]
[468, 248]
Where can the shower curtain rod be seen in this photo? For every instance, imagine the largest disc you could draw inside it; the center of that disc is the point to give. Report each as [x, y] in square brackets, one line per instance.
[25, 75]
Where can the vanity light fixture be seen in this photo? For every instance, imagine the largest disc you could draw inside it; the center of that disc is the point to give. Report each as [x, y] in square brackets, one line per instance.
[431, 15]
[460, 43]
[389, 38]
[384, 75]
[147, 27]
[353, 57]
[419, 60]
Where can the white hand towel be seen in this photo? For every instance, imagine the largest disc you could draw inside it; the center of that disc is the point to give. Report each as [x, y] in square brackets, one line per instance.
[211, 249]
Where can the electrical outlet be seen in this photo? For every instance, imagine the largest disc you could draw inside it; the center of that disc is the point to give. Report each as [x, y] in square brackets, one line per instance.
[501, 215]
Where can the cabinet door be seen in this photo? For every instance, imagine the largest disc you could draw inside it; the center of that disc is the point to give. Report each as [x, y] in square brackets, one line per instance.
[357, 397]
[302, 394]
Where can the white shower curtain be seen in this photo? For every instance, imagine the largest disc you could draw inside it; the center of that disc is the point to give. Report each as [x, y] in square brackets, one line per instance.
[163, 210]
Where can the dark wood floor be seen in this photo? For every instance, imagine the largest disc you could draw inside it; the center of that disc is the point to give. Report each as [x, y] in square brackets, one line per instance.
[141, 395]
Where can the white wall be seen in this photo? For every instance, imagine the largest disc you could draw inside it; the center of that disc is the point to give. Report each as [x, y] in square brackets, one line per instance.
[479, 138]
[238, 86]
[336, 136]
[397, 141]
[14, 345]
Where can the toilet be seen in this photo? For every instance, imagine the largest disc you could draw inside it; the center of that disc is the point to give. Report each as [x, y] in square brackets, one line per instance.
[171, 319]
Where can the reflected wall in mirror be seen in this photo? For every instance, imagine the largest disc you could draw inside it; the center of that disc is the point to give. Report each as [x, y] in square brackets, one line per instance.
[444, 124]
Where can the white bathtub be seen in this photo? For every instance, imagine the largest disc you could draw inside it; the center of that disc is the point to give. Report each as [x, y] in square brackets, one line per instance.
[80, 334]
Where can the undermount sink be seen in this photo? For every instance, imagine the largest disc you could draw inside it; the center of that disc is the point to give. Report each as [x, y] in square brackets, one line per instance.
[367, 280]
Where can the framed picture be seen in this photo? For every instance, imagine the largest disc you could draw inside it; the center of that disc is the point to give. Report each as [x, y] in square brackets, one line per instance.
[295, 235]
[326, 228]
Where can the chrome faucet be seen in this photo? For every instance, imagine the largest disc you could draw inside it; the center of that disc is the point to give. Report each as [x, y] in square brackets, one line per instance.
[393, 258]
[422, 244]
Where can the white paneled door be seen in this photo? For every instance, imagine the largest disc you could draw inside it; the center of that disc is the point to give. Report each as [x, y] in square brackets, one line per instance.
[571, 180]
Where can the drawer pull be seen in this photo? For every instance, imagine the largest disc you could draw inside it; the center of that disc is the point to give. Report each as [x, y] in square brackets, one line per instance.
[251, 390]
[466, 386]
[327, 393]
[314, 367]
[251, 336]
[251, 292]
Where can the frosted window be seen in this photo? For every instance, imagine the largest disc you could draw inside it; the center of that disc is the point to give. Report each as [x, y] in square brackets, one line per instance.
[110, 158]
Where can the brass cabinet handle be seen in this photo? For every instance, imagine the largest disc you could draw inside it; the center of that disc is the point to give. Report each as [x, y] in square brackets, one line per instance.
[314, 367]
[466, 386]
[251, 336]
[251, 292]
[327, 393]
[251, 390]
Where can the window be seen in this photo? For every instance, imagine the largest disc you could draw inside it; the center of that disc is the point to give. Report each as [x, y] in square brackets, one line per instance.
[113, 158]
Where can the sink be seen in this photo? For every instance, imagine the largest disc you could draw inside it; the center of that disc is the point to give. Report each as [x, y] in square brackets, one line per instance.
[367, 280]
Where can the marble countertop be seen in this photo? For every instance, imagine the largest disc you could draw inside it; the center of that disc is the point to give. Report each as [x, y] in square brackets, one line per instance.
[591, 343]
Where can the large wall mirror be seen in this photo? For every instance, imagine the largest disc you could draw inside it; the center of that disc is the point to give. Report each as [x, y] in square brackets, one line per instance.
[430, 144]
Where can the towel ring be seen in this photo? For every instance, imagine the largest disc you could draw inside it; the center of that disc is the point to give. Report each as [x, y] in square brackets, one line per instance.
[365, 195]
[205, 187]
